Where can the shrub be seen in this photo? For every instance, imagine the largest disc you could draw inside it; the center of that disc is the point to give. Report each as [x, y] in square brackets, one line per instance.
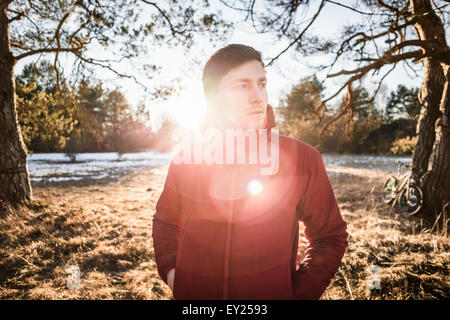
[404, 146]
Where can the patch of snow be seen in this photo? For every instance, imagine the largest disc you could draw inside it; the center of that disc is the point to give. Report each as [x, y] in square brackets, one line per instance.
[58, 167]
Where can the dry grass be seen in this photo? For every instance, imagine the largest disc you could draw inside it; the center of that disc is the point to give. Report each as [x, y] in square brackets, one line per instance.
[411, 254]
[104, 227]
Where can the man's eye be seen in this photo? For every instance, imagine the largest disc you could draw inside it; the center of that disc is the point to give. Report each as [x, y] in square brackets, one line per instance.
[262, 85]
[242, 86]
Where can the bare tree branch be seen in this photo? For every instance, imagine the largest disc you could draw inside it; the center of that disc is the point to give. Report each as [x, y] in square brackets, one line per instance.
[391, 8]
[322, 4]
[353, 9]
[58, 43]
[46, 50]
[380, 82]
[17, 17]
[108, 66]
[386, 59]
[232, 7]
[348, 105]
[163, 13]
[391, 29]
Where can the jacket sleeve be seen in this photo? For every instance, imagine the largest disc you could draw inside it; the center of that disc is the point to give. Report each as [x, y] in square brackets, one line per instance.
[325, 231]
[166, 225]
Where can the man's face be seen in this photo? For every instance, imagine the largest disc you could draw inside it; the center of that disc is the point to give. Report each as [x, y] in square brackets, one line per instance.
[241, 97]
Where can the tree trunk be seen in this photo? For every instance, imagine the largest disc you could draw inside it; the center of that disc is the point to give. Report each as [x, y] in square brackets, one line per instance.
[436, 181]
[14, 180]
[429, 97]
[431, 154]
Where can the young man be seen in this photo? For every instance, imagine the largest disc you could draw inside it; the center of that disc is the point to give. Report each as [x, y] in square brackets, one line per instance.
[225, 231]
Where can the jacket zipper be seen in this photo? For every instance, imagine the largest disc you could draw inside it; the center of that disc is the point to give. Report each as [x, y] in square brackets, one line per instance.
[229, 225]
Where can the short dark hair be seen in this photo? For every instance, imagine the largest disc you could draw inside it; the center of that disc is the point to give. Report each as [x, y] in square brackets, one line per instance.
[225, 59]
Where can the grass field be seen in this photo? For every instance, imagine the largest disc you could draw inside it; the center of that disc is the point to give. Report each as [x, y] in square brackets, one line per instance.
[104, 228]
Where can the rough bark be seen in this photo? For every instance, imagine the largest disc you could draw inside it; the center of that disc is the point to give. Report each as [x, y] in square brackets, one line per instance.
[429, 97]
[14, 179]
[431, 154]
[436, 181]
[428, 27]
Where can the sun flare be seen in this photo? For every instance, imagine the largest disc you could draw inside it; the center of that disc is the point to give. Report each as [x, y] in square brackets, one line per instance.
[254, 187]
[188, 108]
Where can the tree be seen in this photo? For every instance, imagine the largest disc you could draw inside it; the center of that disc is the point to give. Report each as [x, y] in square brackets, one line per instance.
[300, 120]
[388, 33]
[117, 111]
[45, 114]
[118, 119]
[303, 100]
[165, 138]
[364, 119]
[403, 103]
[363, 106]
[89, 133]
[42, 74]
[77, 28]
[297, 109]
[46, 119]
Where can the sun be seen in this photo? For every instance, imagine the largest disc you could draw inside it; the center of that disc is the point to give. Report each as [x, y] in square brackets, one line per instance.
[188, 107]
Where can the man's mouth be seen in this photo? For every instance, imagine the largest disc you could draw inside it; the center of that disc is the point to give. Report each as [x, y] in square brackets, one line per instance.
[255, 112]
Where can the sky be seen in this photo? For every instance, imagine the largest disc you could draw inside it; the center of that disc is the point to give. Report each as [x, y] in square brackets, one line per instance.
[187, 106]
[288, 70]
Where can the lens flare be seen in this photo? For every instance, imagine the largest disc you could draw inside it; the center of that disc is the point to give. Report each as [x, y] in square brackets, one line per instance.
[254, 187]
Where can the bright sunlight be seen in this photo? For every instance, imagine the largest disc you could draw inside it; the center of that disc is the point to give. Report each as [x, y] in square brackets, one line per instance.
[187, 108]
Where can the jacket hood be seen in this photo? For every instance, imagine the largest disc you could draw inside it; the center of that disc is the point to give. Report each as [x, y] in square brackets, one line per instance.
[269, 121]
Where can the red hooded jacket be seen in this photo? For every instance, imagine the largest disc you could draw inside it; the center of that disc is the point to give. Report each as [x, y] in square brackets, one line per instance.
[227, 243]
